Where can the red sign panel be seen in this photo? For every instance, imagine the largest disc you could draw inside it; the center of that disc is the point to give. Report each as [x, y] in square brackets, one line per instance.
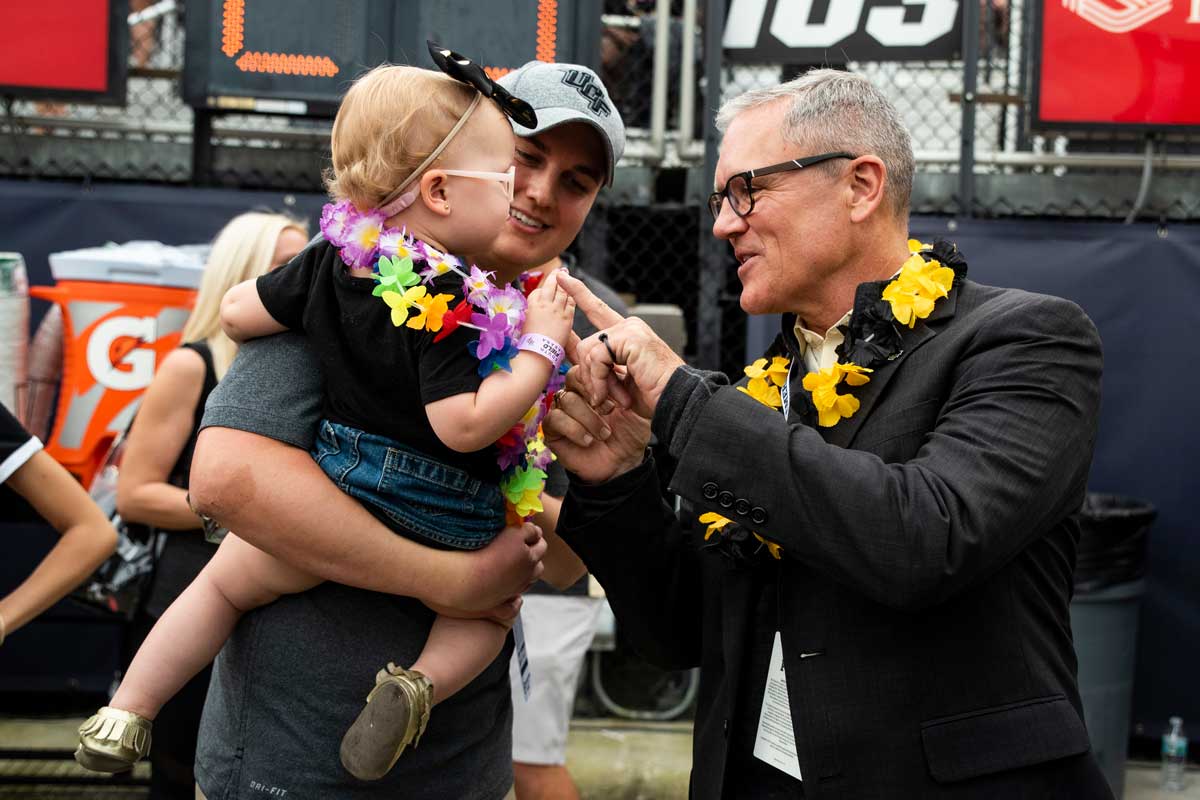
[1118, 63]
[63, 48]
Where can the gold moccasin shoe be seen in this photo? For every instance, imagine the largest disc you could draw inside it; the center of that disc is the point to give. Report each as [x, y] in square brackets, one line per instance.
[394, 717]
[113, 740]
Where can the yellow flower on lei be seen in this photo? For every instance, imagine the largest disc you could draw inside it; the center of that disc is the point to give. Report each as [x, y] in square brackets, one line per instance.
[831, 406]
[775, 550]
[716, 523]
[528, 503]
[765, 381]
[401, 303]
[523, 490]
[536, 447]
[919, 285]
[433, 307]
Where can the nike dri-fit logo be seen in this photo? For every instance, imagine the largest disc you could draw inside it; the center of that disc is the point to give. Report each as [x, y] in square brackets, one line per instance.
[268, 790]
[582, 82]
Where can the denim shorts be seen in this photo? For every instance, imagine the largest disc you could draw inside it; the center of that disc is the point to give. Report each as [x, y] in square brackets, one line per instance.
[412, 492]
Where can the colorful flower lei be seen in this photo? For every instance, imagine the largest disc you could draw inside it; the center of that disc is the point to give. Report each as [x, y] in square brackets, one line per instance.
[928, 275]
[497, 313]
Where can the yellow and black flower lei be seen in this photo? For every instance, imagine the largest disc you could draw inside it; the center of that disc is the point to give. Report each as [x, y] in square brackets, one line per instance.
[873, 336]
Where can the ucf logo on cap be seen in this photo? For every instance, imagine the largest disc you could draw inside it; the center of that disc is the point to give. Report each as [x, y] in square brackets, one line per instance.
[582, 82]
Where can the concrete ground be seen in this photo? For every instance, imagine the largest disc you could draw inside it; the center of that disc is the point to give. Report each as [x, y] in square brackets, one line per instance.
[610, 760]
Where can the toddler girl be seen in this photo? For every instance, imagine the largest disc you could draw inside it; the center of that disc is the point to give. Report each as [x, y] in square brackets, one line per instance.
[433, 396]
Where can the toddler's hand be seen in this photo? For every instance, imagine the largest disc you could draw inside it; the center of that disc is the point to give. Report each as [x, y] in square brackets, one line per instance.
[550, 310]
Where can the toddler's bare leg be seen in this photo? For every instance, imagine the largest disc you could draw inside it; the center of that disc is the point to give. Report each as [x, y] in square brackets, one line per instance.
[191, 632]
[457, 651]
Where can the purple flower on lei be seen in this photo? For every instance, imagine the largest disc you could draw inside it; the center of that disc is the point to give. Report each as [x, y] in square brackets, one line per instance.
[497, 360]
[493, 334]
[476, 286]
[509, 457]
[511, 303]
[395, 243]
[437, 266]
[558, 380]
[362, 239]
[542, 459]
[335, 222]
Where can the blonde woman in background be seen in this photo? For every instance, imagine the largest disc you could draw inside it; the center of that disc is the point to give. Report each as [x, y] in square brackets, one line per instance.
[152, 486]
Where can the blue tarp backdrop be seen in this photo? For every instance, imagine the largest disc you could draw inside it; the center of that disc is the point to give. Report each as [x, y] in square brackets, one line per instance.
[1140, 285]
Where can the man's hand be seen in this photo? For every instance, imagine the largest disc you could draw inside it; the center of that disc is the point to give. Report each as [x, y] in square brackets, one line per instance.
[496, 574]
[504, 614]
[649, 362]
[596, 448]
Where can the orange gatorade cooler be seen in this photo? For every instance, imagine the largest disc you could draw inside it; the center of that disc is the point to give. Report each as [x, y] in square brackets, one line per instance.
[123, 309]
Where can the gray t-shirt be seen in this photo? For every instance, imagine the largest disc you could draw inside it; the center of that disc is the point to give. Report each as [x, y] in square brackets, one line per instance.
[295, 673]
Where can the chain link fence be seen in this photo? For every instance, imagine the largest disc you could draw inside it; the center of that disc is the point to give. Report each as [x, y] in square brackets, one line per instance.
[646, 234]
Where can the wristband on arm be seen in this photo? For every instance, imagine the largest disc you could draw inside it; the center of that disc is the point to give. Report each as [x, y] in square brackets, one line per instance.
[544, 346]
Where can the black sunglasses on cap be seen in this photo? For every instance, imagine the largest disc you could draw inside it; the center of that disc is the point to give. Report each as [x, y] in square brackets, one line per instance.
[464, 70]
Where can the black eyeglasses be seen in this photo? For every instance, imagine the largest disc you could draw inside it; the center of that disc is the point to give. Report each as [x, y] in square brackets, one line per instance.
[464, 70]
[741, 193]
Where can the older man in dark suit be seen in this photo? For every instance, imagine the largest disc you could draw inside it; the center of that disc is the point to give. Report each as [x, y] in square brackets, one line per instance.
[877, 589]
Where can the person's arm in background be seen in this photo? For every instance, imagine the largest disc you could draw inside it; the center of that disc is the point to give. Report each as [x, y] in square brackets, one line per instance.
[86, 540]
[156, 438]
[615, 518]
[563, 567]
[252, 473]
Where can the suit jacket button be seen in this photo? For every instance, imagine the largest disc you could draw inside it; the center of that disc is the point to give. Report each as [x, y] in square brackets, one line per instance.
[725, 499]
[709, 490]
[742, 507]
[725, 729]
[758, 515]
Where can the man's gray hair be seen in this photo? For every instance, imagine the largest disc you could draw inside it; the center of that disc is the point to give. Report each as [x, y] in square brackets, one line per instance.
[833, 110]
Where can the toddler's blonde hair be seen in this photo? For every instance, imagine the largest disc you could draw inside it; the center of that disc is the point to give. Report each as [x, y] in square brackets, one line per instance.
[389, 122]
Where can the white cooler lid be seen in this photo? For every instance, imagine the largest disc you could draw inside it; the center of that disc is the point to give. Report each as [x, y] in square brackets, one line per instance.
[146, 263]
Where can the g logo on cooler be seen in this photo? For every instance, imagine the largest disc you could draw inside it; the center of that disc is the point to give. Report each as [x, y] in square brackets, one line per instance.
[139, 360]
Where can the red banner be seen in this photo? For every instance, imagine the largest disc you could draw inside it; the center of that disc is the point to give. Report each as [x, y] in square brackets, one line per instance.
[56, 44]
[1119, 63]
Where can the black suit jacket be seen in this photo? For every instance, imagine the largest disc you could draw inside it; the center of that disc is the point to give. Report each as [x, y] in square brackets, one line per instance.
[928, 557]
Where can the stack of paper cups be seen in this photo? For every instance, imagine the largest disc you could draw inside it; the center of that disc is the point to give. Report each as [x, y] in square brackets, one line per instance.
[45, 373]
[14, 331]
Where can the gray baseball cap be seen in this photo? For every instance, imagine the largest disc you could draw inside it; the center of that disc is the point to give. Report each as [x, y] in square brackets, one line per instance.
[562, 93]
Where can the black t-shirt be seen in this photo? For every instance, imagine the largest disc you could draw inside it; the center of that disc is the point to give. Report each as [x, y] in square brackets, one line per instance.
[378, 377]
[16, 448]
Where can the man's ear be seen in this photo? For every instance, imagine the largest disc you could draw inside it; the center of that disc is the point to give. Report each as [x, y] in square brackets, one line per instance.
[434, 192]
[868, 177]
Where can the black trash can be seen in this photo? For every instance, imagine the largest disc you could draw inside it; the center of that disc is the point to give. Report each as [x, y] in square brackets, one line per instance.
[1109, 571]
